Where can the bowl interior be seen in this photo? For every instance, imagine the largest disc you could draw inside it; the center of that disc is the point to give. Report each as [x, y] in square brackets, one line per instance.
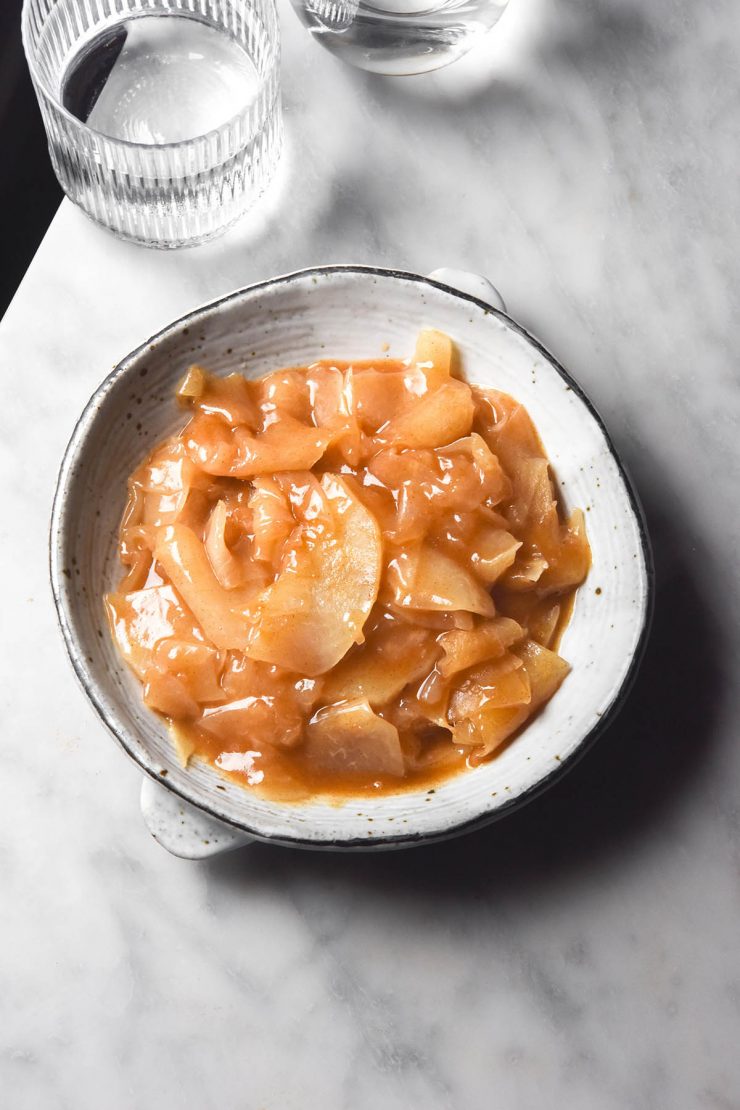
[350, 313]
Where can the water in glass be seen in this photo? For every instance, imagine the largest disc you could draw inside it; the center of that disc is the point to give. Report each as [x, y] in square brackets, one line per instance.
[159, 80]
[399, 36]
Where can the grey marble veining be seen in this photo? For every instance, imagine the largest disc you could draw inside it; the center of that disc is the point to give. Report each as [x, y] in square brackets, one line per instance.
[586, 951]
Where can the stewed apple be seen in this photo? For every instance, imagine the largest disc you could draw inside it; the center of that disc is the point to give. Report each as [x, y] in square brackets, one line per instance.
[346, 577]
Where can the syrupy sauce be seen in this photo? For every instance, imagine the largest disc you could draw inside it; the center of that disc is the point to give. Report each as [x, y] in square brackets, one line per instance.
[346, 579]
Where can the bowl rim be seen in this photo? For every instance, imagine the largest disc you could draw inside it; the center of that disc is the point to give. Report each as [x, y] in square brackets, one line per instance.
[87, 682]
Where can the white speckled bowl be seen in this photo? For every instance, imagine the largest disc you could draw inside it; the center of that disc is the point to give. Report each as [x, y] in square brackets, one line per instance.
[347, 312]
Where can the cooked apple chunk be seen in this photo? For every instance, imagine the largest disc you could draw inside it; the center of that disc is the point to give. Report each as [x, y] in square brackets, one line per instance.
[489, 640]
[392, 656]
[142, 619]
[351, 739]
[349, 577]
[225, 615]
[434, 355]
[490, 707]
[328, 582]
[422, 577]
[439, 418]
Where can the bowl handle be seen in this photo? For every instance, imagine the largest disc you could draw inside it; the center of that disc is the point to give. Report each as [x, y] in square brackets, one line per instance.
[472, 284]
[182, 829]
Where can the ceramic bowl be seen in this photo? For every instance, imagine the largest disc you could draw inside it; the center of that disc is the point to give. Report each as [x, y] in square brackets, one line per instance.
[347, 312]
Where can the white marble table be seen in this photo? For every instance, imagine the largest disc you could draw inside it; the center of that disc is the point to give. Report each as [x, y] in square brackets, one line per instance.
[584, 953]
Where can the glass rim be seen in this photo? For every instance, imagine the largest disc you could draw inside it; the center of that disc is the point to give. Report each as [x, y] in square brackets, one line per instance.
[273, 60]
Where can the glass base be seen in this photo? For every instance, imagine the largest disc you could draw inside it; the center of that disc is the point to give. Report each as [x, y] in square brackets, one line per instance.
[395, 38]
[161, 244]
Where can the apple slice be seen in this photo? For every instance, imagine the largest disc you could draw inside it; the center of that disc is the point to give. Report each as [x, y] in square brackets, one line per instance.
[540, 616]
[165, 489]
[492, 551]
[351, 739]
[224, 563]
[272, 518]
[231, 399]
[569, 559]
[183, 740]
[498, 684]
[506, 427]
[284, 392]
[423, 577]
[393, 655]
[142, 619]
[315, 610]
[254, 721]
[433, 356]
[169, 695]
[486, 728]
[378, 395]
[464, 649]
[193, 385]
[224, 615]
[198, 666]
[329, 392]
[439, 418]
[287, 445]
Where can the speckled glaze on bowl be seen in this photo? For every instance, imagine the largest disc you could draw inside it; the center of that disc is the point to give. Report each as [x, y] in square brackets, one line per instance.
[348, 312]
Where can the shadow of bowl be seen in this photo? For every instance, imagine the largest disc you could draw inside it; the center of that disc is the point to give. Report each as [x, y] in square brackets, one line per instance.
[623, 788]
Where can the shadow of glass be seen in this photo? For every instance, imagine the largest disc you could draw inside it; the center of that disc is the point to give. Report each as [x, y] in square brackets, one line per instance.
[607, 804]
[531, 35]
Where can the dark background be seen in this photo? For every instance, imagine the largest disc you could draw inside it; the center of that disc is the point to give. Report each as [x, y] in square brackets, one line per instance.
[29, 193]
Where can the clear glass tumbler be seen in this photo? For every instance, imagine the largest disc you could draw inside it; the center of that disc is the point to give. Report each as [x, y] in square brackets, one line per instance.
[162, 116]
[399, 36]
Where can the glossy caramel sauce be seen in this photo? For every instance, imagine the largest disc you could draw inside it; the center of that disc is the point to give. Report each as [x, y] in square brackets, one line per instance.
[346, 578]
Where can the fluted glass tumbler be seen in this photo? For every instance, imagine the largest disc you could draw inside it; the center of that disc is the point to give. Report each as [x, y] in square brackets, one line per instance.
[162, 116]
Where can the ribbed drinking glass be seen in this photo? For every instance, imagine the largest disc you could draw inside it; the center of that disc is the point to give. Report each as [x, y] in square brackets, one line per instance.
[162, 116]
